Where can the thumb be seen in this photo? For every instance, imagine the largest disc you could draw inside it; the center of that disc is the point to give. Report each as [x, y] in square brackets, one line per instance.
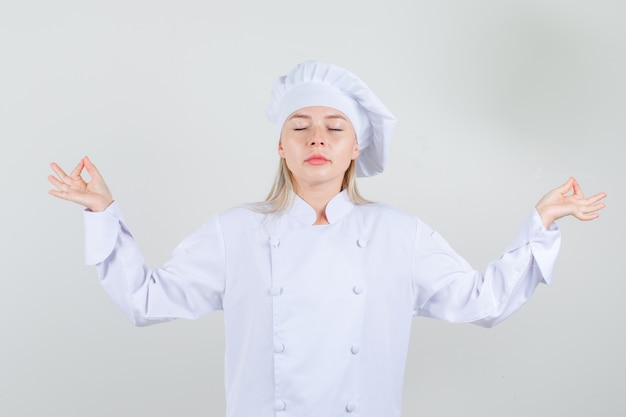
[565, 188]
[91, 169]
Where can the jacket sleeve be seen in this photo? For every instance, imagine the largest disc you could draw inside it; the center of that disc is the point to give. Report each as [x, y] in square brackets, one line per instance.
[190, 285]
[446, 287]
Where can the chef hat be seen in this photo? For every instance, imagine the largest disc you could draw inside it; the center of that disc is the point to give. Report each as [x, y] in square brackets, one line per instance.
[314, 83]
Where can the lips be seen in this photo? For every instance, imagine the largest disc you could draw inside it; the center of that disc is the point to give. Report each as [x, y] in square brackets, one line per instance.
[316, 160]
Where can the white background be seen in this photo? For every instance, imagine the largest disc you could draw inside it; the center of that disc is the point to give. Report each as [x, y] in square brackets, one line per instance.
[497, 102]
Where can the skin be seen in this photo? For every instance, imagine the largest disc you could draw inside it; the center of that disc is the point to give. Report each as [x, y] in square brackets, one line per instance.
[569, 200]
[94, 195]
[325, 132]
[318, 131]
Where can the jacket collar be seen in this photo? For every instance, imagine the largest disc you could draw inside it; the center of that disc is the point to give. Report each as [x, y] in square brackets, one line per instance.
[337, 208]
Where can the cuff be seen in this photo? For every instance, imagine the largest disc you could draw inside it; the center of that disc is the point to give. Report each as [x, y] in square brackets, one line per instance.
[544, 244]
[101, 230]
[545, 247]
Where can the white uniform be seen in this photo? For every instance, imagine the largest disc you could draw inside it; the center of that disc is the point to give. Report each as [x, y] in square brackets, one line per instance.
[317, 318]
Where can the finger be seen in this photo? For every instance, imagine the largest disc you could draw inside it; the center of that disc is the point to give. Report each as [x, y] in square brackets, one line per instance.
[91, 169]
[58, 194]
[76, 171]
[565, 188]
[62, 190]
[578, 192]
[58, 184]
[68, 196]
[57, 170]
[587, 217]
[595, 198]
[593, 208]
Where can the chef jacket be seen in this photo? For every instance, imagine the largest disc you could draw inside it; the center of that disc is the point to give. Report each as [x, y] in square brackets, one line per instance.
[317, 317]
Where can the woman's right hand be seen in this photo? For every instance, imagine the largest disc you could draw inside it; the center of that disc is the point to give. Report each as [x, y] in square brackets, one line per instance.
[94, 195]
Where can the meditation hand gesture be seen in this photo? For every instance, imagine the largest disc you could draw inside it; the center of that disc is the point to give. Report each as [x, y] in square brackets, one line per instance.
[94, 195]
[558, 203]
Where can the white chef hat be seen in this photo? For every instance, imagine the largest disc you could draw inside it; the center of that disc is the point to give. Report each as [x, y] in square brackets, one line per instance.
[314, 83]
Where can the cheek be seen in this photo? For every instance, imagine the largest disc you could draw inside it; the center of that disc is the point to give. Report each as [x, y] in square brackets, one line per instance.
[289, 153]
[285, 149]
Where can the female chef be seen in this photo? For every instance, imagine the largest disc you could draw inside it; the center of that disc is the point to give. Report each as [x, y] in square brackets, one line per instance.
[318, 286]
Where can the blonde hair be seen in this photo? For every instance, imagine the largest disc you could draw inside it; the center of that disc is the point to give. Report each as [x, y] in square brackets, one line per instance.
[281, 194]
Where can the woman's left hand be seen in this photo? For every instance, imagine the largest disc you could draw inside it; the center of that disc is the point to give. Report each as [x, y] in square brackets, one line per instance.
[559, 203]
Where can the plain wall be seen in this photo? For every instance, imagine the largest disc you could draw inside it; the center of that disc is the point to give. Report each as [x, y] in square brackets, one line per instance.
[497, 103]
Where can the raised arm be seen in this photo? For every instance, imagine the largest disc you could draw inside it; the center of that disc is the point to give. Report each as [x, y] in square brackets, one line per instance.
[569, 200]
[189, 285]
[448, 288]
[94, 195]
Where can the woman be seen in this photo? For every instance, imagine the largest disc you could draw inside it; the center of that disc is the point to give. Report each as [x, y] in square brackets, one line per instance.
[318, 286]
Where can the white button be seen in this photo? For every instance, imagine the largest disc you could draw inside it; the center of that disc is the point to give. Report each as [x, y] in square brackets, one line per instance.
[350, 407]
[355, 349]
[358, 289]
[274, 242]
[362, 243]
[279, 347]
[280, 405]
[276, 290]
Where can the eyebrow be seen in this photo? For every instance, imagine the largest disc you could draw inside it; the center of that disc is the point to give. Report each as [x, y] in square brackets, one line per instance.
[306, 116]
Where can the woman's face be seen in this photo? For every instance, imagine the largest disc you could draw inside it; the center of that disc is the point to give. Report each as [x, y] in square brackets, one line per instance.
[318, 144]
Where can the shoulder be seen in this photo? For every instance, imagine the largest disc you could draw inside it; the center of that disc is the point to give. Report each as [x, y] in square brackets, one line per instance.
[384, 212]
[244, 214]
[387, 218]
[233, 222]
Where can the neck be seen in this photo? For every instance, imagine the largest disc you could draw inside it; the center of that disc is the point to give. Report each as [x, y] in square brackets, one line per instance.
[318, 198]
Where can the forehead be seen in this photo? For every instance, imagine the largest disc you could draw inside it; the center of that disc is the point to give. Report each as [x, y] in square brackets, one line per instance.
[318, 112]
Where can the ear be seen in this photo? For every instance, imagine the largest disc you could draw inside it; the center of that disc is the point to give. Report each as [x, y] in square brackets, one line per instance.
[355, 151]
[281, 151]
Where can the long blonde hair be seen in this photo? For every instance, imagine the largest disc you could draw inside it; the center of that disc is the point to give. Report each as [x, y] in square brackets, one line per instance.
[281, 194]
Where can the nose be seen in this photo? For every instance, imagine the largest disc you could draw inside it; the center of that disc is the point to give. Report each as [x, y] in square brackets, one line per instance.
[318, 137]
